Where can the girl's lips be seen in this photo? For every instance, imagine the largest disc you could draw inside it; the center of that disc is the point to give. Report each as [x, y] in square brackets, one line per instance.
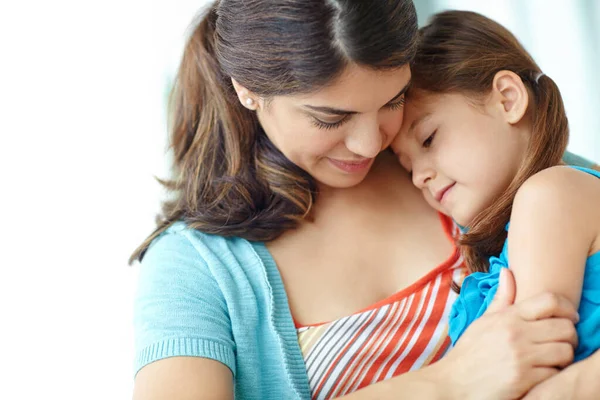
[441, 195]
[351, 166]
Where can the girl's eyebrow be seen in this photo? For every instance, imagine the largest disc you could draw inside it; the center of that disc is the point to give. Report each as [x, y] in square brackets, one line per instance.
[418, 121]
[337, 111]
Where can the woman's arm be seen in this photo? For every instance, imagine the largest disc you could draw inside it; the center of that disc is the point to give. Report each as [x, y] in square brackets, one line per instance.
[579, 381]
[502, 355]
[184, 378]
[489, 362]
[184, 344]
[551, 233]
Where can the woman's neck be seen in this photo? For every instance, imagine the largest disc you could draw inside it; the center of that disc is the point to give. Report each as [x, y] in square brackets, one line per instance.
[387, 184]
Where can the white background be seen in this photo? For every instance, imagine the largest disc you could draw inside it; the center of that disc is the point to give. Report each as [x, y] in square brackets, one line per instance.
[82, 132]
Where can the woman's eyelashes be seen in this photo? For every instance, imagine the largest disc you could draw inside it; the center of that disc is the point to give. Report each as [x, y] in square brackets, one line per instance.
[397, 105]
[329, 125]
[332, 125]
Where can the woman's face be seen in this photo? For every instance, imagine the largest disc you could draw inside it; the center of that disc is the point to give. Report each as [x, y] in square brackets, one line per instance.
[334, 134]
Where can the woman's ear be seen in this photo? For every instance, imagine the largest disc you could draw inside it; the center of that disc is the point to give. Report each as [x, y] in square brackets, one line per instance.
[248, 99]
[511, 95]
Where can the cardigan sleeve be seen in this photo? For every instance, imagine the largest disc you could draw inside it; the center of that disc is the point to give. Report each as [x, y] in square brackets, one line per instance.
[179, 309]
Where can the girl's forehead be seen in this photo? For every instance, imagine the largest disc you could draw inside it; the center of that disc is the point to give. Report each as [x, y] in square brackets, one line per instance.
[415, 113]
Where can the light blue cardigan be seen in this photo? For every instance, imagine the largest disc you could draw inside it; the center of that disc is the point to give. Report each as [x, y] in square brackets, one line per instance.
[206, 296]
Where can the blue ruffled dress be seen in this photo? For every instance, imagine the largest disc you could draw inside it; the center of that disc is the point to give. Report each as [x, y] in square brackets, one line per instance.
[478, 290]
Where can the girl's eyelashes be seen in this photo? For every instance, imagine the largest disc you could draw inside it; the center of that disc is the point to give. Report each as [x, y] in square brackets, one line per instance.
[328, 125]
[427, 143]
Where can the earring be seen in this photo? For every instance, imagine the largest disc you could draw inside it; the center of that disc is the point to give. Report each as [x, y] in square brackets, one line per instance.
[250, 102]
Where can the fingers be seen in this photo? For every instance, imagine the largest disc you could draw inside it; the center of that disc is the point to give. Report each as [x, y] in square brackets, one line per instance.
[553, 355]
[505, 296]
[547, 305]
[553, 330]
[538, 375]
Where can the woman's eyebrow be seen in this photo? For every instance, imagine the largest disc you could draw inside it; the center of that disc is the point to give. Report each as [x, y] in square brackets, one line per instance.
[330, 110]
[337, 111]
[401, 93]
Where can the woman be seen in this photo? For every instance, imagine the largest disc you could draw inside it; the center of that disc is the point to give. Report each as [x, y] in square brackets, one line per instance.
[295, 259]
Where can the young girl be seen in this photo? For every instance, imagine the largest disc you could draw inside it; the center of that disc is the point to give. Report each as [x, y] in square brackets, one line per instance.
[483, 136]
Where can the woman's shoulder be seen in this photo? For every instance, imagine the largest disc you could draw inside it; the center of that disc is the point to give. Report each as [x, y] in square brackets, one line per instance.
[182, 239]
[190, 253]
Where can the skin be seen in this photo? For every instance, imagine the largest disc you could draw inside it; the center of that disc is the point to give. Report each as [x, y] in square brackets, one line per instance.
[329, 125]
[351, 257]
[475, 150]
[462, 154]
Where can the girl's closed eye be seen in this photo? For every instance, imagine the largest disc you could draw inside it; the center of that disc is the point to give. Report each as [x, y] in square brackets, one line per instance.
[428, 142]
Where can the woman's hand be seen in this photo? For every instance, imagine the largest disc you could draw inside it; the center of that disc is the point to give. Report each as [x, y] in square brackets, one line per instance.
[580, 381]
[511, 348]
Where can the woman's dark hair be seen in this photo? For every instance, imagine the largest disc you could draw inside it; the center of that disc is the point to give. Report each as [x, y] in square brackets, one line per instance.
[461, 52]
[229, 179]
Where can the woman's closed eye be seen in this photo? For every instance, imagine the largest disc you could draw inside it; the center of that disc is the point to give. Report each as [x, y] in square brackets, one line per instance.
[329, 125]
[396, 105]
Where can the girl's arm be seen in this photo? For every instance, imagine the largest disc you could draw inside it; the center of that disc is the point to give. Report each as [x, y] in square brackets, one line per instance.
[554, 227]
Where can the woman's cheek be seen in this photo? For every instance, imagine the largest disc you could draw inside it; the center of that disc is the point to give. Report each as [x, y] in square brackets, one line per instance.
[391, 124]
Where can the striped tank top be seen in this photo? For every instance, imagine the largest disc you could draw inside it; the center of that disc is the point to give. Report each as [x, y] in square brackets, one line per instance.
[404, 332]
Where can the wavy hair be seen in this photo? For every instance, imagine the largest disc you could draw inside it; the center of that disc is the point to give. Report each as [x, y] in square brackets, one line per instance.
[228, 178]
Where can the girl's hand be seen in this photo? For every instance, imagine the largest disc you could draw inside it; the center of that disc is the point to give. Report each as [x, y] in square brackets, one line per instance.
[511, 348]
[580, 381]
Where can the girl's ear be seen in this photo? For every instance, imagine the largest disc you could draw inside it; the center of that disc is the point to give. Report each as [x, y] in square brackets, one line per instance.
[510, 94]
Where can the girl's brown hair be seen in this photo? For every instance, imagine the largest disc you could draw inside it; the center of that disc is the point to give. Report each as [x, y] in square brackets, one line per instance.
[229, 179]
[461, 52]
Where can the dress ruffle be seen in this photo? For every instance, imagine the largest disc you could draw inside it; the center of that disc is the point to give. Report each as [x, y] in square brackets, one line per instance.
[478, 290]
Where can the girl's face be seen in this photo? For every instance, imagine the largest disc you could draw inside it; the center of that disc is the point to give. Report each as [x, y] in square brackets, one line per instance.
[461, 156]
[335, 134]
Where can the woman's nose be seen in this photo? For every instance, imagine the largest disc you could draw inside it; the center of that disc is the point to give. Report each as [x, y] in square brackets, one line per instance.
[366, 139]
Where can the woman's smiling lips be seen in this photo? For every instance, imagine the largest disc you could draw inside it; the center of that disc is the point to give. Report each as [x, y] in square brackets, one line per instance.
[351, 166]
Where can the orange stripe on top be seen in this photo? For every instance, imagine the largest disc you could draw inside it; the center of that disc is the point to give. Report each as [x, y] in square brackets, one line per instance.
[405, 331]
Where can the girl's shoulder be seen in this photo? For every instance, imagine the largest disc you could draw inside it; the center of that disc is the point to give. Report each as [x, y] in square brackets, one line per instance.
[562, 196]
[562, 184]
